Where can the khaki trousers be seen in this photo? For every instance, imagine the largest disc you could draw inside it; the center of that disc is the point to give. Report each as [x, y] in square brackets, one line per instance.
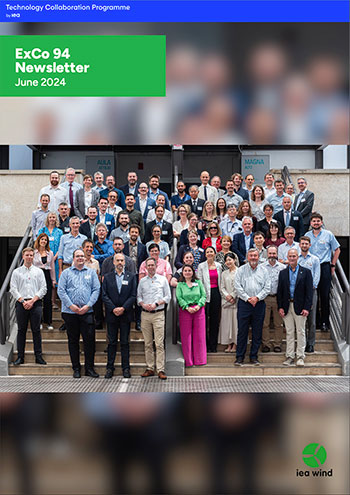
[271, 307]
[294, 322]
[153, 323]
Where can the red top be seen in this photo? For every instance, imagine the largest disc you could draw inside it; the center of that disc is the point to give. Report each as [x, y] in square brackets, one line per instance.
[207, 242]
[269, 242]
[214, 277]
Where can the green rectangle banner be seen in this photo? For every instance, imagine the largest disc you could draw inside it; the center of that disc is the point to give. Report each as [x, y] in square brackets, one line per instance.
[82, 65]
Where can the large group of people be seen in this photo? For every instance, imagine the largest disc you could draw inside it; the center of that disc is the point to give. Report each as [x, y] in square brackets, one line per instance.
[243, 256]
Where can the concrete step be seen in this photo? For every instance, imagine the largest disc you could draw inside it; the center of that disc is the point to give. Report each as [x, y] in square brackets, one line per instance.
[62, 345]
[63, 357]
[264, 370]
[274, 358]
[65, 369]
[57, 334]
[321, 345]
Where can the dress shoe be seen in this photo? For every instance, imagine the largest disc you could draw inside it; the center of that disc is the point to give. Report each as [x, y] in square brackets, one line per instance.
[277, 349]
[91, 372]
[147, 373]
[324, 328]
[265, 349]
[76, 374]
[40, 360]
[62, 327]
[256, 362]
[109, 373]
[99, 326]
[309, 348]
[162, 375]
[18, 361]
[239, 362]
[138, 326]
[126, 373]
[288, 362]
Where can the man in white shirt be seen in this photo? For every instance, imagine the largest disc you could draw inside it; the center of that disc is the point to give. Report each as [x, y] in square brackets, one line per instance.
[289, 235]
[71, 187]
[216, 182]
[269, 187]
[153, 293]
[231, 225]
[57, 193]
[249, 182]
[28, 287]
[160, 201]
[207, 192]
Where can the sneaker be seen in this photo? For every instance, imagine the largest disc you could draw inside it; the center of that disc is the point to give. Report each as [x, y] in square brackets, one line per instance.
[239, 362]
[288, 362]
[41, 326]
[300, 362]
[255, 362]
[50, 327]
[309, 348]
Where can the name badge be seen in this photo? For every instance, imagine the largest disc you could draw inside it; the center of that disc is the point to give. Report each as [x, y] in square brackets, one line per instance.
[194, 284]
[67, 229]
[149, 207]
[199, 208]
[51, 238]
[87, 277]
[108, 223]
[125, 282]
[164, 232]
[302, 200]
[295, 218]
[200, 250]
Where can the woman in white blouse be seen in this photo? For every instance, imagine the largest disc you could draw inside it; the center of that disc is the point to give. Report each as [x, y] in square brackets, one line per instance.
[257, 202]
[228, 325]
[182, 224]
[45, 259]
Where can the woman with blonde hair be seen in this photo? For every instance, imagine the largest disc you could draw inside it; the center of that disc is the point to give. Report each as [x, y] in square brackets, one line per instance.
[213, 237]
[183, 211]
[208, 214]
[54, 234]
[228, 325]
[44, 259]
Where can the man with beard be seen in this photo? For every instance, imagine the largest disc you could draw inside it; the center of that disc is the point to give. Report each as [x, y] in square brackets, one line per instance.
[326, 247]
[252, 284]
[273, 268]
[110, 186]
[311, 262]
[57, 193]
[181, 196]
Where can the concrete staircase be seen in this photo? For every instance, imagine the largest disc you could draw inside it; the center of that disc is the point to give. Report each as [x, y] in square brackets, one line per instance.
[324, 361]
[55, 353]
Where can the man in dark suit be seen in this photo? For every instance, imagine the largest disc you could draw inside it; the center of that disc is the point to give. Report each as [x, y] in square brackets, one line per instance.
[294, 301]
[131, 186]
[119, 295]
[289, 218]
[196, 204]
[88, 227]
[167, 228]
[304, 202]
[243, 241]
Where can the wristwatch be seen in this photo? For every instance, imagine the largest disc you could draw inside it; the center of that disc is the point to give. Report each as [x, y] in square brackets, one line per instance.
[332, 265]
[156, 304]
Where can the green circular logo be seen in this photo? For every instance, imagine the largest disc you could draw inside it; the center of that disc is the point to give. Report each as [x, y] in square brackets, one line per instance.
[314, 455]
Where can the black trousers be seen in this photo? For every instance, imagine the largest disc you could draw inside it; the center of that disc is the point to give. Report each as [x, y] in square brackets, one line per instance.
[23, 317]
[47, 301]
[121, 324]
[213, 312]
[248, 315]
[84, 325]
[324, 288]
[98, 311]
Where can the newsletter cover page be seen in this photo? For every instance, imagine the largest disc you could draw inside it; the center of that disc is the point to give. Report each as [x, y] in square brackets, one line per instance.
[174, 239]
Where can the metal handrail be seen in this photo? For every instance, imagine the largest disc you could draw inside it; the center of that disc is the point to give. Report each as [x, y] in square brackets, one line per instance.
[5, 309]
[285, 174]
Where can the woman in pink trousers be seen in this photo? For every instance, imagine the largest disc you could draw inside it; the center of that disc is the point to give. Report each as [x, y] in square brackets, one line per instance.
[191, 298]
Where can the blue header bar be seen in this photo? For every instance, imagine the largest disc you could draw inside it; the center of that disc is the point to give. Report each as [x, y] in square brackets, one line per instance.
[174, 11]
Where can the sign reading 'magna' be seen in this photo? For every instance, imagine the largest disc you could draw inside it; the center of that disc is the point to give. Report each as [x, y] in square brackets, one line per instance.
[82, 66]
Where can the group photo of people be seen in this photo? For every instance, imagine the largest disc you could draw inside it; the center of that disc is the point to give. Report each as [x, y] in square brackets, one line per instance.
[248, 265]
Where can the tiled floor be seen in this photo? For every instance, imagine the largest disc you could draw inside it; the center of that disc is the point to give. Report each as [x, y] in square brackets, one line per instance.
[288, 384]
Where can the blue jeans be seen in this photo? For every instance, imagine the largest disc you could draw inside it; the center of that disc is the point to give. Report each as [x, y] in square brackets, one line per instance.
[247, 316]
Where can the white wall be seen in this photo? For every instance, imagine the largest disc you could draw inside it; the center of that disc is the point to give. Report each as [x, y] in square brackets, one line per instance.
[299, 159]
[335, 156]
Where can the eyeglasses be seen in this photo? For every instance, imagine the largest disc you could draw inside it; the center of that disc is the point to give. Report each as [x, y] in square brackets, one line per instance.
[213, 228]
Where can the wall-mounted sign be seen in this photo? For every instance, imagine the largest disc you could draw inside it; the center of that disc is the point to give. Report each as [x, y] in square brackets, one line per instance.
[257, 165]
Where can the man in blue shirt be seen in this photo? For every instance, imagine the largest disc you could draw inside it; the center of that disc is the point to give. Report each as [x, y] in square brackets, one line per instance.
[110, 186]
[326, 247]
[181, 196]
[103, 247]
[311, 262]
[78, 289]
[154, 190]
[69, 243]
